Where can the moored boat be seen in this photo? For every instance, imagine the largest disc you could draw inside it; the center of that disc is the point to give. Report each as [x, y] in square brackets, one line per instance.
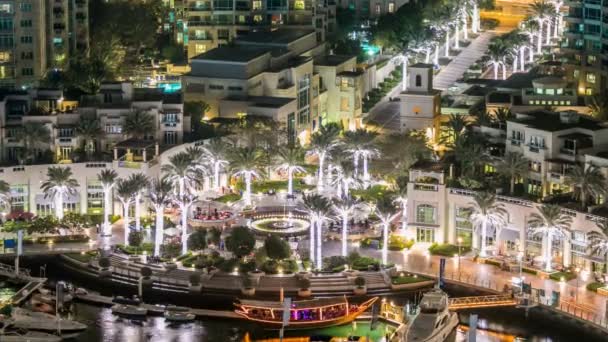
[28, 336]
[178, 314]
[435, 321]
[129, 310]
[40, 321]
[305, 314]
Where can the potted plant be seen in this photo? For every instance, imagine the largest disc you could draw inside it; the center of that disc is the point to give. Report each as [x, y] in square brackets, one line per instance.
[360, 288]
[104, 267]
[195, 282]
[255, 275]
[248, 288]
[146, 273]
[304, 287]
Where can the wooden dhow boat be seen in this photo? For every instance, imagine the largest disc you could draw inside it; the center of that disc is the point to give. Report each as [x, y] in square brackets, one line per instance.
[304, 314]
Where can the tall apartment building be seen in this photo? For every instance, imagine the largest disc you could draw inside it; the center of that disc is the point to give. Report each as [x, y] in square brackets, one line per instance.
[202, 25]
[38, 34]
[584, 46]
[372, 8]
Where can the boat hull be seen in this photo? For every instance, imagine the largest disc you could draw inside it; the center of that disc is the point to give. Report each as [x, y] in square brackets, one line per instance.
[439, 335]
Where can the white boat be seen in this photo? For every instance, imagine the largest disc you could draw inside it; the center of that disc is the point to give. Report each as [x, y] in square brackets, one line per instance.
[178, 314]
[29, 336]
[129, 310]
[435, 322]
[40, 321]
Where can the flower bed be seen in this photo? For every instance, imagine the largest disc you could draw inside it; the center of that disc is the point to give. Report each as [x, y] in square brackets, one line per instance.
[447, 249]
[594, 286]
[57, 239]
[405, 281]
[228, 198]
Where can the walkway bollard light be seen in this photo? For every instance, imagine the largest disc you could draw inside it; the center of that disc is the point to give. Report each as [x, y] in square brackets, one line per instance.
[459, 240]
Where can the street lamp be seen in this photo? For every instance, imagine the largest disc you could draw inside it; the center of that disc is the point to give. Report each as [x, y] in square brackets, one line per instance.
[576, 270]
[459, 240]
[520, 258]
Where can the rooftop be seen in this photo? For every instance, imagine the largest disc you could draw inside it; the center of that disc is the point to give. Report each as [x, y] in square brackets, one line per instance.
[518, 81]
[238, 54]
[421, 65]
[280, 36]
[499, 97]
[549, 121]
[332, 60]
[262, 101]
[351, 73]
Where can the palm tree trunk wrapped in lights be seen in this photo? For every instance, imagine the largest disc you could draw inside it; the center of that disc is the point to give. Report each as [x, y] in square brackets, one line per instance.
[317, 208]
[484, 211]
[386, 212]
[160, 197]
[107, 178]
[139, 183]
[344, 208]
[550, 223]
[291, 160]
[125, 193]
[216, 152]
[59, 183]
[246, 162]
[323, 142]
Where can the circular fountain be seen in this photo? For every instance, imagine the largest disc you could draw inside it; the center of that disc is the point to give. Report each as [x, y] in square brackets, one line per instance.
[292, 223]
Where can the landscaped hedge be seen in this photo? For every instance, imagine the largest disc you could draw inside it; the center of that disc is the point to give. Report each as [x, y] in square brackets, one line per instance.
[408, 279]
[364, 263]
[144, 247]
[57, 239]
[286, 266]
[557, 276]
[594, 286]
[492, 262]
[228, 198]
[399, 243]
[447, 249]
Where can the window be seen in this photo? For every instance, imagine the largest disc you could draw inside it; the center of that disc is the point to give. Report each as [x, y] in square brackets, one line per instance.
[113, 129]
[257, 5]
[27, 55]
[26, 39]
[234, 88]
[299, 5]
[200, 48]
[26, 23]
[424, 234]
[534, 166]
[170, 138]
[304, 116]
[216, 87]
[391, 7]
[257, 19]
[537, 141]
[377, 8]
[27, 72]
[418, 81]
[591, 59]
[344, 105]
[6, 8]
[5, 57]
[25, 7]
[591, 77]
[589, 91]
[425, 213]
[550, 91]
[6, 23]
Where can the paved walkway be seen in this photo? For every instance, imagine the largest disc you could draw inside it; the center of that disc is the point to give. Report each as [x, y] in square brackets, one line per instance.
[456, 68]
[487, 275]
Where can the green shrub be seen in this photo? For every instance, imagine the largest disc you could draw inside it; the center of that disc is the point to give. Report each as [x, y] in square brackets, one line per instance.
[228, 265]
[529, 270]
[492, 262]
[334, 263]
[286, 266]
[248, 266]
[228, 198]
[145, 272]
[304, 283]
[360, 281]
[557, 276]
[195, 279]
[171, 250]
[399, 243]
[364, 263]
[104, 262]
[594, 286]
[408, 279]
[447, 249]
[135, 238]
[57, 239]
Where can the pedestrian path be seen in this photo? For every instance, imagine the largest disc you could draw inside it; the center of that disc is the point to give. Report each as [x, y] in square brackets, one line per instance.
[459, 64]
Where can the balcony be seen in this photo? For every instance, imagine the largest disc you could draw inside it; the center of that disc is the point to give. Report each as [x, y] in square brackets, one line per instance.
[201, 37]
[536, 148]
[203, 8]
[516, 142]
[426, 187]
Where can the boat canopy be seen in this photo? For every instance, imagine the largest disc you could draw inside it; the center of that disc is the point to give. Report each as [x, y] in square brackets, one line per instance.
[302, 304]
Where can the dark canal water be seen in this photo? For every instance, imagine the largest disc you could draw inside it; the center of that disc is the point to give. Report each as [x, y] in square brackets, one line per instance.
[496, 324]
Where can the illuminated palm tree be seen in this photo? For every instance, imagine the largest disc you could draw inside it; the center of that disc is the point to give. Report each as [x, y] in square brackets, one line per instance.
[291, 160]
[587, 182]
[512, 165]
[344, 208]
[317, 208]
[59, 183]
[497, 52]
[184, 173]
[246, 162]
[551, 223]
[322, 143]
[32, 134]
[598, 241]
[386, 212]
[345, 179]
[541, 11]
[217, 152]
[107, 178]
[159, 194]
[138, 182]
[484, 211]
[126, 194]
